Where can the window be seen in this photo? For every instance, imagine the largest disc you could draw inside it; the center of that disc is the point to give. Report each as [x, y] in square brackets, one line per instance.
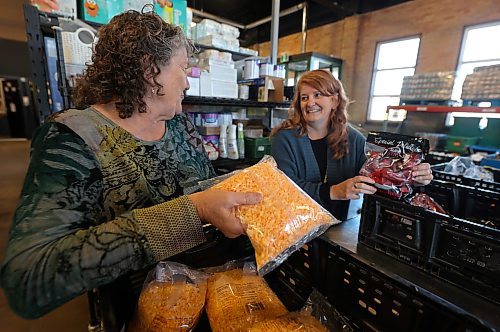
[393, 61]
[480, 47]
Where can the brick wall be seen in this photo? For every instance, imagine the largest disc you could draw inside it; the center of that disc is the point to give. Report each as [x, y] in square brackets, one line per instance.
[440, 23]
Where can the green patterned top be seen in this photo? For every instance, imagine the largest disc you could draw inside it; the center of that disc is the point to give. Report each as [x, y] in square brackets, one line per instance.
[98, 203]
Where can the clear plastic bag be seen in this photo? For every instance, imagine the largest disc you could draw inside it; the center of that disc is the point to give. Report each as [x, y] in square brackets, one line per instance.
[172, 299]
[283, 221]
[390, 160]
[317, 315]
[466, 167]
[238, 298]
[294, 321]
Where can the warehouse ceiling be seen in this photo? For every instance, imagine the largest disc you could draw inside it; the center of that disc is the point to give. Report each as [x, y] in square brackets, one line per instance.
[320, 12]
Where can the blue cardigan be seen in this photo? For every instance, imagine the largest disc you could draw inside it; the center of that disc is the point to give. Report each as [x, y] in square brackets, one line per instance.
[295, 157]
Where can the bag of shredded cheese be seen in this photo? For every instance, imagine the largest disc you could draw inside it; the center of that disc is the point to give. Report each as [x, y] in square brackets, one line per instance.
[172, 299]
[237, 298]
[317, 315]
[284, 220]
[294, 321]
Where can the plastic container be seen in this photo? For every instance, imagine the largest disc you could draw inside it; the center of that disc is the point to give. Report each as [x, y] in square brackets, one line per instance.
[223, 141]
[257, 147]
[440, 174]
[210, 119]
[214, 139]
[375, 302]
[241, 141]
[232, 144]
[461, 252]
[459, 144]
[251, 69]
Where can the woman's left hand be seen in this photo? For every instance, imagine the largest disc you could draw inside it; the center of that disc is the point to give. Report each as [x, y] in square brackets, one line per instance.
[422, 174]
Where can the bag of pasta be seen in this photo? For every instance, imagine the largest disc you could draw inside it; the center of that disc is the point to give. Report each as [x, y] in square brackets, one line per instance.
[172, 299]
[283, 221]
[237, 298]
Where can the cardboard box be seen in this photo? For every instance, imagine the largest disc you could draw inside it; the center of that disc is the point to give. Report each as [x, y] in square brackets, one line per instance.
[272, 90]
[173, 12]
[66, 7]
[101, 11]
[209, 130]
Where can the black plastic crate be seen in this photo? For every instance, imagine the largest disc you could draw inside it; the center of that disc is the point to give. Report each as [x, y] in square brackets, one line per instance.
[449, 195]
[439, 174]
[482, 207]
[301, 261]
[378, 303]
[292, 288]
[437, 157]
[462, 252]
[397, 229]
[467, 255]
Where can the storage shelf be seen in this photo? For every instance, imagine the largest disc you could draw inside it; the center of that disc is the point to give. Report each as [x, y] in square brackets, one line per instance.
[214, 101]
[444, 109]
[236, 55]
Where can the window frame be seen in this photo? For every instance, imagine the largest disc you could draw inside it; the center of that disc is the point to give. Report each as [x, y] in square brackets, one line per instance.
[466, 30]
[460, 63]
[375, 70]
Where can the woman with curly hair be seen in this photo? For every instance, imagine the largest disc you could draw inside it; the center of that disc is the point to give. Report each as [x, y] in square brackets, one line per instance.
[112, 187]
[320, 151]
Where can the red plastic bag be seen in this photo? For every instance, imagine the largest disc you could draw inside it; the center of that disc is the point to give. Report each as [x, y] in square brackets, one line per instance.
[390, 160]
[425, 201]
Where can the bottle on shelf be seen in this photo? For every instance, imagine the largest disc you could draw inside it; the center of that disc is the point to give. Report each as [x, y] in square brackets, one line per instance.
[241, 141]
[232, 145]
[223, 141]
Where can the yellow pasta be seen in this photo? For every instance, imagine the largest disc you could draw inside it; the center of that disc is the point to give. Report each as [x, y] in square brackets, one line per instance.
[237, 300]
[284, 220]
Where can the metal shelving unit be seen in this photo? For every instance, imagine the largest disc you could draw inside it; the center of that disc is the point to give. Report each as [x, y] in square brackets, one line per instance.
[431, 118]
[38, 25]
[214, 101]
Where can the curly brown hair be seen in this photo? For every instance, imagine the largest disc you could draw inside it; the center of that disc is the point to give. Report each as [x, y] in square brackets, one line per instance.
[328, 85]
[128, 55]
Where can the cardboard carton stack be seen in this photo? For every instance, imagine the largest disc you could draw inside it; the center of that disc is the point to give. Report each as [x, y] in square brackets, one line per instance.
[483, 84]
[428, 86]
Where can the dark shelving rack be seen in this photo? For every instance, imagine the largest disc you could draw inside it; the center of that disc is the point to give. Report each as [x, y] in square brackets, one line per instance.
[39, 24]
[215, 101]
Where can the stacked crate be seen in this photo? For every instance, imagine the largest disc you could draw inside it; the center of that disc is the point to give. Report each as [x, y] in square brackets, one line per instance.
[461, 247]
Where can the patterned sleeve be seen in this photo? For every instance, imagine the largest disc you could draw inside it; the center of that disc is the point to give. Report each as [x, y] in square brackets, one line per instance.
[60, 245]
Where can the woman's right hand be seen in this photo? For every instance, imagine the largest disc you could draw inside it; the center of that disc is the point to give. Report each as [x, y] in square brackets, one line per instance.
[351, 188]
[217, 207]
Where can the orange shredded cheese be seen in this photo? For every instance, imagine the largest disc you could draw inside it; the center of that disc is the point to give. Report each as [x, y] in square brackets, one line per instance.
[165, 306]
[291, 322]
[237, 300]
[285, 216]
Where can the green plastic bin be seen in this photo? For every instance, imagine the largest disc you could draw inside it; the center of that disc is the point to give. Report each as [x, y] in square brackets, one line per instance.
[257, 147]
[459, 144]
